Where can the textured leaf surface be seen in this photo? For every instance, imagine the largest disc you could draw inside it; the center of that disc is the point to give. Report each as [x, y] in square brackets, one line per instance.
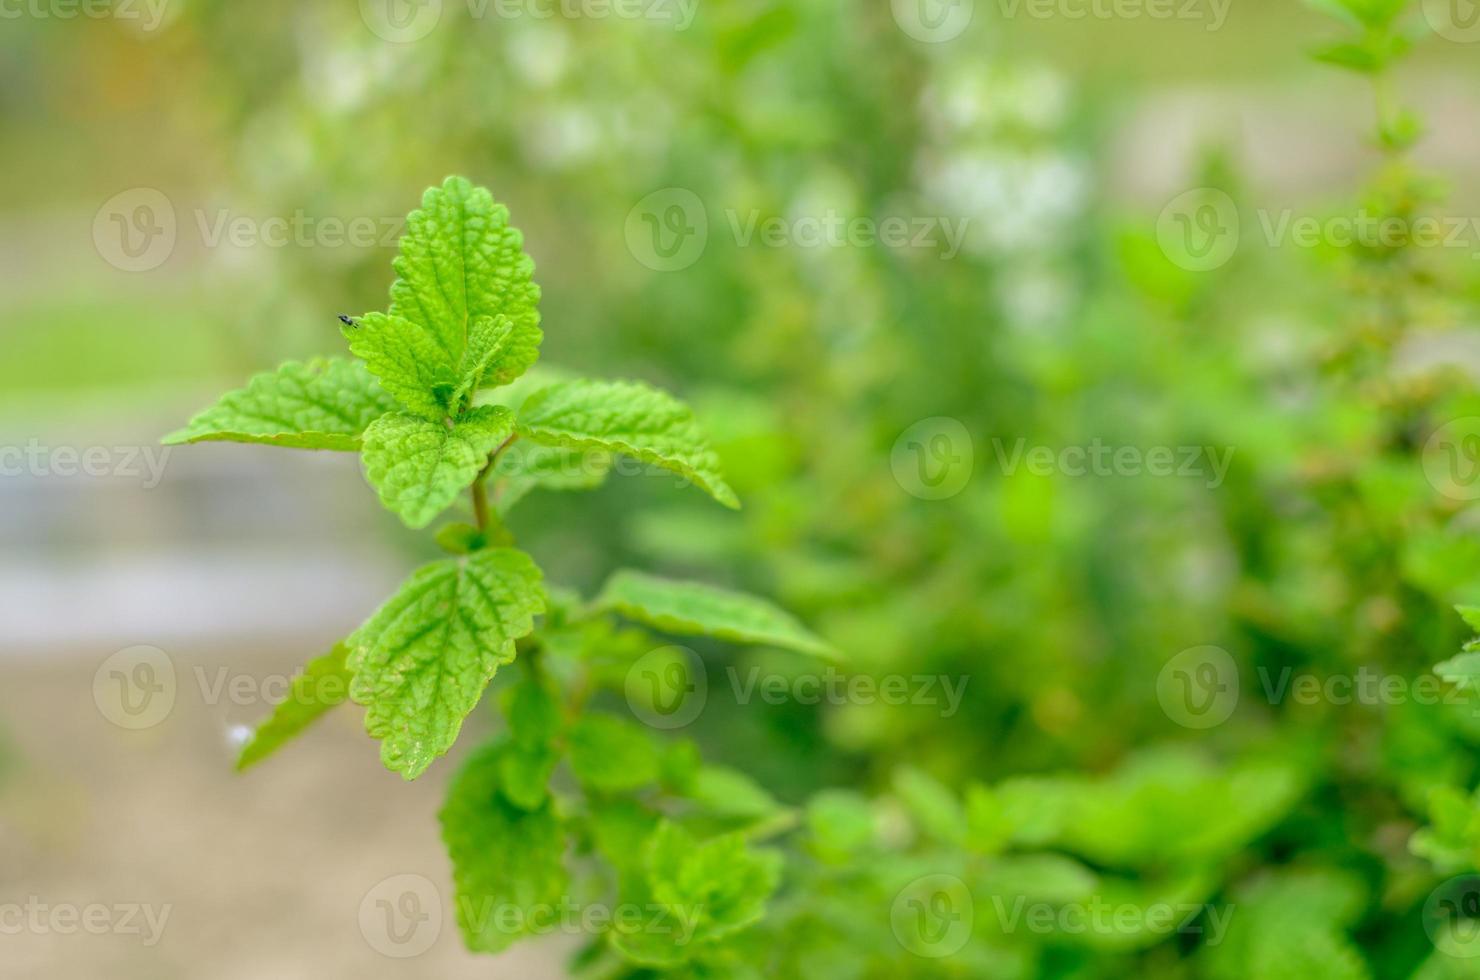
[460, 260]
[323, 683]
[321, 404]
[422, 660]
[487, 340]
[626, 417]
[419, 466]
[507, 862]
[409, 360]
[689, 608]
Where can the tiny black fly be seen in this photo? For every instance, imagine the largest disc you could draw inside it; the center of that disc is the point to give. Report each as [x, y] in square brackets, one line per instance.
[348, 322]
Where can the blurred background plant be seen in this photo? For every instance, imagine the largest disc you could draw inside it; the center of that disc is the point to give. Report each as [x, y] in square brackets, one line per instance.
[1336, 377]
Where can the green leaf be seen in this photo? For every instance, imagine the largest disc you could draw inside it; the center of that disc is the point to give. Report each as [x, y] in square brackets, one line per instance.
[322, 684]
[1355, 57]
[321, 404]
[533, 714]
[612, 755]
[487, 340]
[988, 828]
[626, 417]
[409, 361]
[1360, 14]
[528, 763]
[1471, 616]
[1462, 669]
[419, 466]
[711, 889]
[731, 794]
[526, 774]
[689, 608]
[841, 824]
[460, 539]
[459, 261]
[526, 465]
[932, 806]
[507, 863]
[422, 660]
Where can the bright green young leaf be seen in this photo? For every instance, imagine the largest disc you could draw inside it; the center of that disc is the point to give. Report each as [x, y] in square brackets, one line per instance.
[322, 684]
[409, 361]
[689, 609]
[709, 889]
[1471, 616]
[419, 466]
[612, 755]
[422, 660]
[507, 862]
[525, 466]
[321, 404]
[460, 261]
[626, 417]
[488, 338]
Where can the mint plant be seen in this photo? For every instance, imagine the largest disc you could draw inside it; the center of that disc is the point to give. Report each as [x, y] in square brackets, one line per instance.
[439, 404]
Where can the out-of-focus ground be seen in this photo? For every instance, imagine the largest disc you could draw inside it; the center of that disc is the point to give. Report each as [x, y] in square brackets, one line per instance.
[279, 872]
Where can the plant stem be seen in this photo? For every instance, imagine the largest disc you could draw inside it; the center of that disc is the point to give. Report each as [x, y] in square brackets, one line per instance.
[480, 490]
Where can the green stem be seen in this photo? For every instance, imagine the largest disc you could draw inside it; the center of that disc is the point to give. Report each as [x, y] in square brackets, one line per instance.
[480, 489]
